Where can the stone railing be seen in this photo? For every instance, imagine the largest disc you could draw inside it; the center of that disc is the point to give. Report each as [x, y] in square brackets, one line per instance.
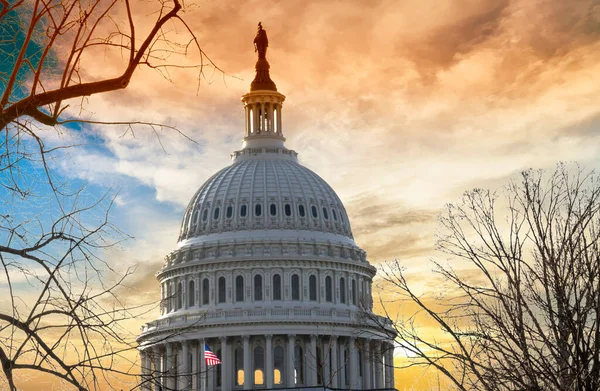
[215, 317]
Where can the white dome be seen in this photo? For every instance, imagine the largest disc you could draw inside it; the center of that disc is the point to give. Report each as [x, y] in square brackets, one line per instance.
[265, 189]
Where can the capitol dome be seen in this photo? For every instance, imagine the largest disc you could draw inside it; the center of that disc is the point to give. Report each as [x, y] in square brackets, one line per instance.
[266, 190]
[266, 288]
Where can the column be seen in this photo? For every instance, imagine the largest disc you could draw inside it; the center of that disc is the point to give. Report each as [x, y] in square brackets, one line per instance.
[157, 369]
[163, 309]
[172, 303]
[247, 115]
[255, 118]
[263, 117]
[183, 372]
[354, 370]
[326, 367]
[248, 381]
[389, 366]
[169, 373]
[194, 375]
[197, 287]
[312, 362]
[343, 364]
[145, 370]
[269, 360]
[291, 381]
[184, 293]
[279, 130]
[378, 366]
[271, 118]
[335, 369]
[366, 365]
[225, 365]
[201, 382]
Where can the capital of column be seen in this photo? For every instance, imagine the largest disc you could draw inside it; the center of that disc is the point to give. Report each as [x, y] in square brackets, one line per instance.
[268, 336]
[246, 338]
[223, 339]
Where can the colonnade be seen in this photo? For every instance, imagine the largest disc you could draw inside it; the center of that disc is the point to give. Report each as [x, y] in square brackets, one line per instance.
[271, 362]
[263, 117]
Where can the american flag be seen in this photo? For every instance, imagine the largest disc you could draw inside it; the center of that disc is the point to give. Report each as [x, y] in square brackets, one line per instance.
[210, 357]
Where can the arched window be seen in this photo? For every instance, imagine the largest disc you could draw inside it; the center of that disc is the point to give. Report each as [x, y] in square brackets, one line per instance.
[216, 214]
[239, 288]
[276, 287]
[298, 365]
[205, 290]
[314, 211]
[301, 210]
[353, 291]
[342, 290]
[195, 217]
[325, 214]
[288, 210]
[191, 294]
[259, 365]
[328, 289]
[273, 209]
[243, 210]
[312, 288]
[295, 287]
[229, 211]
[278, 367]
[179, 296]
[222, 290]
[257, 210]
[258, 288]
[239, 366]
[205, 215]
[334, 214]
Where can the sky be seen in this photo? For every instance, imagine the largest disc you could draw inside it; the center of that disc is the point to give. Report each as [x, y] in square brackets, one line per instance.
[400, 106]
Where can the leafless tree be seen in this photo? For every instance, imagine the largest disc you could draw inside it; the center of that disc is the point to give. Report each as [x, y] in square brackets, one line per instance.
[61, 312]
[520, 302]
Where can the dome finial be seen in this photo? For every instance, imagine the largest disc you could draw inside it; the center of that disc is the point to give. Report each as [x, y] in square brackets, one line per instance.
[262, 80]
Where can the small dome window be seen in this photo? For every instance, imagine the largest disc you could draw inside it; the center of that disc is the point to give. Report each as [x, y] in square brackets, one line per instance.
[334, 214]
[195, 217]
[273, 210]
[216, 214]
[243, 210]
[229, 211]
[257, 210]
[288, 210]
[301, 210]
[314, 211]
[205, 215]
[325, 214]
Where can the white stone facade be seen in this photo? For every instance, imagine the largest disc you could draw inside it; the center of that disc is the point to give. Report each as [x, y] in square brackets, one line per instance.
[267, 273]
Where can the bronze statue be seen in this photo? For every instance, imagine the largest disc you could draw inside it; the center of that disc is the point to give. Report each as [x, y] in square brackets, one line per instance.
[261, 42]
